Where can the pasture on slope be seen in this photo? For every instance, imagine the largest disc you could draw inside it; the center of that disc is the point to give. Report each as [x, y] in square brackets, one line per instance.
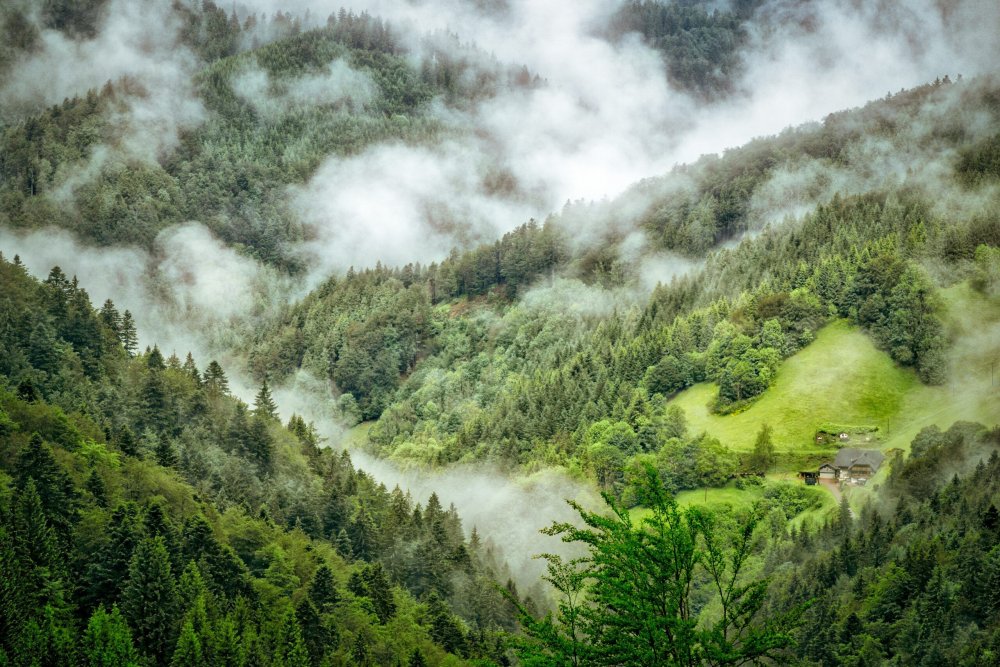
[842, 378]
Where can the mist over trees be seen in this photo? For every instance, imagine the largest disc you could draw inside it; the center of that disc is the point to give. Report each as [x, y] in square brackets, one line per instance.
[356, 223]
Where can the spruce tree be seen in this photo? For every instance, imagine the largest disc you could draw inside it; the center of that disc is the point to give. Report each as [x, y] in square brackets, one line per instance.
[188, 652]
[155, 359]
[323, 590]
[264, 405]
[191, 369]
[111, 318]
[379, 590]
[107, 641]
[215, 379]
[54, 487]
[127, 334]
[315, 633]
[149, 600]
[95, 486]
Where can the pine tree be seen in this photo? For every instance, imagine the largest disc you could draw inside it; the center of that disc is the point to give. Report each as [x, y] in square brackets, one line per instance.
[364, 535]
[444, 628]
[155, 408]
[107, 641]
[55, 488]
[191, 369]
[128, 335]
[43, 350]
[227, 648]
[315, 634]
[290, 649]
[323, 590]
[379, 590]
[104, 574]
[188, 652]
[264, 405]
[15, 603]
[166, 455]
[215, 379]
[149, 600]
[344, 546]
[95, 486]
[35, 541]
[111, 318]
[155, 360]
[260, 444]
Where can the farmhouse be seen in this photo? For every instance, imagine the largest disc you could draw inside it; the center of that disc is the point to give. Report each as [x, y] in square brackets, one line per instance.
[856, 465]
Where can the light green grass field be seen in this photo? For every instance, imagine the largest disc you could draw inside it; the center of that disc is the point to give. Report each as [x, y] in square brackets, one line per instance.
[843, 378]
[724, 498]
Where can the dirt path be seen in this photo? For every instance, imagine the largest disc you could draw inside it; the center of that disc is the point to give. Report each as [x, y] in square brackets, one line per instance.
[833, 486]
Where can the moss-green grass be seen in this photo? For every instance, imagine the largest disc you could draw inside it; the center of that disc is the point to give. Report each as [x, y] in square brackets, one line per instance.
[843, 378]
[730, 496]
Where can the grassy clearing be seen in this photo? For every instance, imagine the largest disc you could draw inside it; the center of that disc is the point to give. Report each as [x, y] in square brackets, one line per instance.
[843, 378]
[729, 497]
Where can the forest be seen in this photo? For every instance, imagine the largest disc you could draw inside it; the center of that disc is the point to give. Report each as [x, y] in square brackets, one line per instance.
[338, 254]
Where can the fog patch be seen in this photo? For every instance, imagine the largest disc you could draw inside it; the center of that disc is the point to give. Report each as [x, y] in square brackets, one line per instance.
[136, 48]
[191, 293]
[508, 511]
[336, 85]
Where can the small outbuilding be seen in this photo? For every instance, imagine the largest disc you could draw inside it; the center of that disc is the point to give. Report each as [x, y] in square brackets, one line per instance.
[828, 471]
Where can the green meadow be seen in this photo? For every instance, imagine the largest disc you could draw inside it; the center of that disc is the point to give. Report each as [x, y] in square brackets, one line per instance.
[843, 379]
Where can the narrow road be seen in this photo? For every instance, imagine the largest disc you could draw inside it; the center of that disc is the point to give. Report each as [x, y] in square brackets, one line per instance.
[833, 486]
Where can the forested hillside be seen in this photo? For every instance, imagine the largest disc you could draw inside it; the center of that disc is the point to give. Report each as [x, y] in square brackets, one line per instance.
[458, 364]
[675, 253]
[149, 517]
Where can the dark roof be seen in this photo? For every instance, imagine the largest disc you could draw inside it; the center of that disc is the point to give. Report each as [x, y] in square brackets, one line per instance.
[827, 465]
[848, 456]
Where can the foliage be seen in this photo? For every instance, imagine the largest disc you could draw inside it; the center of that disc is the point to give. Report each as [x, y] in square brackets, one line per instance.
[632, 599]
[189, 533]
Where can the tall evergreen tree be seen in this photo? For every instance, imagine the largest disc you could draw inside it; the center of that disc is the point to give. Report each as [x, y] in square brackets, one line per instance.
[107, 641]
[127, 334]
[149, 600]
[215, 379]
[264, 405]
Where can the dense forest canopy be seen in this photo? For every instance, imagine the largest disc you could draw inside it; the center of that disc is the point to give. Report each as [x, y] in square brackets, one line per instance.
[267, 271]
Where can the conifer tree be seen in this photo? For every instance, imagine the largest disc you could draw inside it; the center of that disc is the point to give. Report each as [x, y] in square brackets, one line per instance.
[290, 649]
[149, 600]
[188, 652]
[323, 590]
[111, 318]
[155, 359]
[54, 487]
[191, 369]
[264, 405]
[315, 634]
[379, 590]
[35, 541]
[215, 379]
[95, 486]
[107, 641]
[127, 334]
